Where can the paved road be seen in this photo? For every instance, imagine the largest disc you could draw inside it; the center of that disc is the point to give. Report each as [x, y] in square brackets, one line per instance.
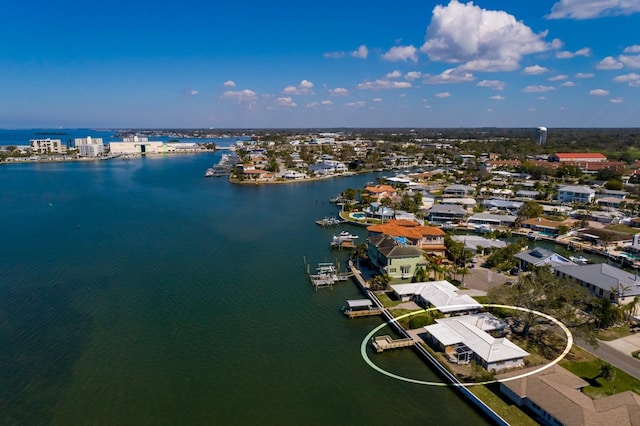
[616, 353]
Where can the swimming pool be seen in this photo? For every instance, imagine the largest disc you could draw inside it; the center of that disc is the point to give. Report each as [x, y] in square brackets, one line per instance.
[358, 216]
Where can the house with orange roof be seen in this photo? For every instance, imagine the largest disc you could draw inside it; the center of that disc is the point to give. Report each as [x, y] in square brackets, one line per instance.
[378, 192]
[429, 238]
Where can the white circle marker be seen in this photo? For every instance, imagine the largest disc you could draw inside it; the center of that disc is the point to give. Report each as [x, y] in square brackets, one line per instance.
[363, 348]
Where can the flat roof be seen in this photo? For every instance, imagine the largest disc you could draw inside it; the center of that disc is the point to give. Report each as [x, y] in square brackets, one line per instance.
[359, 303]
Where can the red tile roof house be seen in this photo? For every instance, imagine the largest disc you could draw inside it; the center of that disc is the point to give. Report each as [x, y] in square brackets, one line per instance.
[429, 238]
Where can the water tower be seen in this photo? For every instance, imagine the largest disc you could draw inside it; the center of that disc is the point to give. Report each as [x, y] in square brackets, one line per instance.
[541, 135]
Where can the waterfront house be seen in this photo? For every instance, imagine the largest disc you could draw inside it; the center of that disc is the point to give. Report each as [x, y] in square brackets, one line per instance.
[463, 340]
[603, 280]
[429, 238]
[545, 226]
[379, 212]
[538, 257]
[294, 175]
[441, 295]
[475, 243]
[575, 194]
[488, 219]
[398, 261]
[555, 397]
[442, 213]
[378, 192]
[458, 190]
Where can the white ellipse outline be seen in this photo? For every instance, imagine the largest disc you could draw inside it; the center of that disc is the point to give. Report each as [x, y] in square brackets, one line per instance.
[363, 347]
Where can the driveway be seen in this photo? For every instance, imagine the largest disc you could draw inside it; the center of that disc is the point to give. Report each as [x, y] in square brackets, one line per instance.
[484, 279]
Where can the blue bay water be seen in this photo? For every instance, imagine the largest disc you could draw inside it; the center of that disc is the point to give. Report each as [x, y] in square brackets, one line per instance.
[139, 292]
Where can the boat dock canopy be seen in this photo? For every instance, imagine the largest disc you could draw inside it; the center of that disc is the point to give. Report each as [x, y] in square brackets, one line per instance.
[359, 303]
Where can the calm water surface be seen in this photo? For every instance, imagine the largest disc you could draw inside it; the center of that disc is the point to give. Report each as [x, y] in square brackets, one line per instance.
[139, 292]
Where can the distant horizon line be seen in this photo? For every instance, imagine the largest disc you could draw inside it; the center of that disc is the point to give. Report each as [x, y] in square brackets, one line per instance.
[308, 128]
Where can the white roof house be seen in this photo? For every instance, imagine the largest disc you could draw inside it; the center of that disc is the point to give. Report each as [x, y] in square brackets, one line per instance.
[493, 353]
[441, 294]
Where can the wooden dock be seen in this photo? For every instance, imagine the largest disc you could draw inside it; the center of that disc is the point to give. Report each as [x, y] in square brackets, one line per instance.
[361, 308]
[327, 275]
[362, 312]
[382, 343]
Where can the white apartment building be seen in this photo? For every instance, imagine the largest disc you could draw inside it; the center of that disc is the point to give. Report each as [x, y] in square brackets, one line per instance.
[89, 147]
[576, 194]
[47, 146]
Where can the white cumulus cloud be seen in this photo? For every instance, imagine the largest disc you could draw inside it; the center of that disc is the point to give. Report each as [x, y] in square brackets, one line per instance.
[632, 79]
[534, 70]
[616, 100]
[326, 102]
[497, 98]
[452, 75]
[492, 84]
[485, 40]
[361, 52]
[630, 61]
[412, 75]
[558, 77]
[609, 63]
[384, 84]
[599, 92]
[194, 92]
[339, 91]
[585, 51]
[286, 101]
[393, 74]
[443, 95]
[588, 9]
[401, 53]
[229, 83]
[538, 89]
[584, 75]
[304, 88]
[356, 104]
[568, 84]
[632, 49]
[241, 96]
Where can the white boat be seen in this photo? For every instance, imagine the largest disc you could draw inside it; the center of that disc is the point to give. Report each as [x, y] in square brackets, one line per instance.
[209, 172]
[580, 260]
[343, 236]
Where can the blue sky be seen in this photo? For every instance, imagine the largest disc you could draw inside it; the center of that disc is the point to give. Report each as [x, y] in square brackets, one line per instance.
[257, 64]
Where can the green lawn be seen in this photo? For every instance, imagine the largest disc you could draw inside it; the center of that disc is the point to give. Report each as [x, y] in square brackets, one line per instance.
[507, 410]
[386, 301]
[586, 366]
[614, 333]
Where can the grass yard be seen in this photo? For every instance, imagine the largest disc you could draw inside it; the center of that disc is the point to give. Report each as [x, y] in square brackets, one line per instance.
[506, 409]
[614, 333]
[586, 366]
